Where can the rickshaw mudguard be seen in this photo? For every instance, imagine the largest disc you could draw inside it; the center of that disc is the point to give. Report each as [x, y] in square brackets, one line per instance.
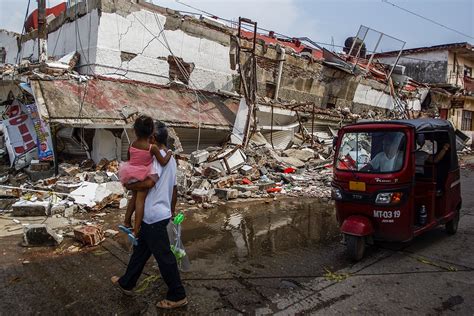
[357, 225]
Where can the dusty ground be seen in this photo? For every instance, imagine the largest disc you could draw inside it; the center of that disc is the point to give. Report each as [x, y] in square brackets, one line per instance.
[255, 258]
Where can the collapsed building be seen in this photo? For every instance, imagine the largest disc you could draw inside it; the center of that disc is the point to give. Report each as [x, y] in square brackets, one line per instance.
[250, 114]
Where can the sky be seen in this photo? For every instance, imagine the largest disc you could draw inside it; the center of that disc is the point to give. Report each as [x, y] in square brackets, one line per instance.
[324, 21]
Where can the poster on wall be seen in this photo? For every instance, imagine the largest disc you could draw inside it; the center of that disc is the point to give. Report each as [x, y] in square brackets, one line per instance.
[43, 134]
[20, 135]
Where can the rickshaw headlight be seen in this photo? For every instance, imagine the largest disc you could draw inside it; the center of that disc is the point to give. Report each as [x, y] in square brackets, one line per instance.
[389, 198]
[336, 194]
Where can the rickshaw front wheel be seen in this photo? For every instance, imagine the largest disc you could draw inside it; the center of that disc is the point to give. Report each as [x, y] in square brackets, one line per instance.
[452, 225]
[355, 246]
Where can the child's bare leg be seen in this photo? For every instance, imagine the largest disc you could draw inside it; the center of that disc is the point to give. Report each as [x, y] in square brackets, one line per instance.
[130, 209]
[139, 210]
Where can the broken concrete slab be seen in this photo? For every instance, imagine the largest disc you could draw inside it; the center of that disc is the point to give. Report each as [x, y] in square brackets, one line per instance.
[293, 162]
[96, 196]
[40, 235]
[245, 188]
[66, 169]
[69, 211]
[6, 203]
[202, 195]
[225, 181]
[57, 209]
[89, 235]
[227, 194]
[303, 155]
[198, 157]
[28, 208]
[246, 170]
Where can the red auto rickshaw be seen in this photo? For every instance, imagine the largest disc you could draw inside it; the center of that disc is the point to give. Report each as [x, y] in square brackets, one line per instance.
[394, 180]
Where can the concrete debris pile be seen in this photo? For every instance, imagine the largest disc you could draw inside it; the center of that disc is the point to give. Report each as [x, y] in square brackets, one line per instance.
[212, 175]
[78, 189]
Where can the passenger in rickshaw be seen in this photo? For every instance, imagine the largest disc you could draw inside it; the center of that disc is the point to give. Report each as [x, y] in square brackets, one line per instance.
[390, 159]
[422, 156]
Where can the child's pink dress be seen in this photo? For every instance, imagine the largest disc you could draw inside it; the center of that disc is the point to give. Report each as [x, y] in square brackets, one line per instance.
[138, 168]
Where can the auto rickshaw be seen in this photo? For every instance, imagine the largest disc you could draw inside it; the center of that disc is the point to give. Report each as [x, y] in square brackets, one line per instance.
[394, 180]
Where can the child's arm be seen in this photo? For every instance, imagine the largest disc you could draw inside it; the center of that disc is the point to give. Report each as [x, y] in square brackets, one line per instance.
[162, 160]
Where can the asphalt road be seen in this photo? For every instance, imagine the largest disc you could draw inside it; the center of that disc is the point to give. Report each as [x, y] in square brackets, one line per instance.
[282, 257]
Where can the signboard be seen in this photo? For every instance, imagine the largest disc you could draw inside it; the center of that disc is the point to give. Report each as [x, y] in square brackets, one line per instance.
[43, 134]
[457, 103]
[19, 135]
[27, 136]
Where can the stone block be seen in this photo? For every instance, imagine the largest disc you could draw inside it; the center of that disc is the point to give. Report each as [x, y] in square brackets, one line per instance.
[36, 165]
[245, 188]
[225, 181]
[202, 195]
[57, 209]
[6, 204]
[198, 157]
[227, 194]
[89, 235]
[66, 169]
[263, 186]
[246, 170]
[39, 175]
[27, 208]
[40, 235]
[69, 211]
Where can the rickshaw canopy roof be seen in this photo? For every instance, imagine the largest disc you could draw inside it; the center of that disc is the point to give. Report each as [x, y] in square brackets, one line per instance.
[420, 125]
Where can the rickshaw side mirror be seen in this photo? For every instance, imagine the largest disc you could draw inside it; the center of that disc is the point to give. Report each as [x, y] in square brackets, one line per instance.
[334, 142]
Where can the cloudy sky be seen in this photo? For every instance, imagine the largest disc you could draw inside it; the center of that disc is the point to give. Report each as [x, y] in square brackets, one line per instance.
[323, 21]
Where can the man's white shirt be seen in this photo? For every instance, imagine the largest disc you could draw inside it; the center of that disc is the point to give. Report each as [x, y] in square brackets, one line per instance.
[384, 164]
[158, 199]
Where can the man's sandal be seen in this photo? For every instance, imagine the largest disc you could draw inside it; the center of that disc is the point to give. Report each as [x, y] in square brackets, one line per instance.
[115, 282]
[167, 304]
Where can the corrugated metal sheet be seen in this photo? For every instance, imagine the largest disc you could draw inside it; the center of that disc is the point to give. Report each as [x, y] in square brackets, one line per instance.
[281, 139]
[100, 102]
[189, 138]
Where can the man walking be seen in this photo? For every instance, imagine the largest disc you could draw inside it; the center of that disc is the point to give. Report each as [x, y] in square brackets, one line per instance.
[153, 237]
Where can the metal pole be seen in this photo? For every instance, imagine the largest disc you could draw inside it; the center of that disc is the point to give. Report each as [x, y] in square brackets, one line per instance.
[396, 61]
[271, 130]
[353, 42]
[374, 52]
[312, 128]
[42, 33]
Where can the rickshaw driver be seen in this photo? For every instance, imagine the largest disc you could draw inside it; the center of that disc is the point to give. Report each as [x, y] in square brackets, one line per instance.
[390, 158]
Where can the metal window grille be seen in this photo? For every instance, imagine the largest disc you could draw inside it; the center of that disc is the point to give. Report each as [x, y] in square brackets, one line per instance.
[466, 123]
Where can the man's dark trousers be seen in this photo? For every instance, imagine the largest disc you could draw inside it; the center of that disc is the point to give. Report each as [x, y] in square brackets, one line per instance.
[153, 239]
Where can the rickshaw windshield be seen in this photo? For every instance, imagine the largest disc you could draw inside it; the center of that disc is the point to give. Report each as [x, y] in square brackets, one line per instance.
[372, 152]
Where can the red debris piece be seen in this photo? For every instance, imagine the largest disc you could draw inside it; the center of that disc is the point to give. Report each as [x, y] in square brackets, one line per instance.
[246, 181]
[89, 235]
[289, 170]
[273, 190]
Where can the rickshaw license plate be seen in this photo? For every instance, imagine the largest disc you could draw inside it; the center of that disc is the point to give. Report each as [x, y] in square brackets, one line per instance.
[356, 186]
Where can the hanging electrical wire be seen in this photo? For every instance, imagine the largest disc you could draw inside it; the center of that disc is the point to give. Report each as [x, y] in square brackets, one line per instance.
[427, 19]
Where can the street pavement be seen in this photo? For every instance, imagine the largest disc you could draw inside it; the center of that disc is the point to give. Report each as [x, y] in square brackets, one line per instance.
[283, 257]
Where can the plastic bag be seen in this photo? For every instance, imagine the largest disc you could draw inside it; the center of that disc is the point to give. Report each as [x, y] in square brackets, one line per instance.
[176, 245]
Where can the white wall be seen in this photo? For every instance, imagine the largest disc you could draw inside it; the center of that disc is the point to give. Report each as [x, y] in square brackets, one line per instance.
[135, 33]
[365, 94]
[417, 57]
[9, 41]
[68, 38]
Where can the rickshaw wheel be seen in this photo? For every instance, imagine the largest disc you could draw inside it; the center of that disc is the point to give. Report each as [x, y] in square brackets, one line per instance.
[452, 225]
[355, 246]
